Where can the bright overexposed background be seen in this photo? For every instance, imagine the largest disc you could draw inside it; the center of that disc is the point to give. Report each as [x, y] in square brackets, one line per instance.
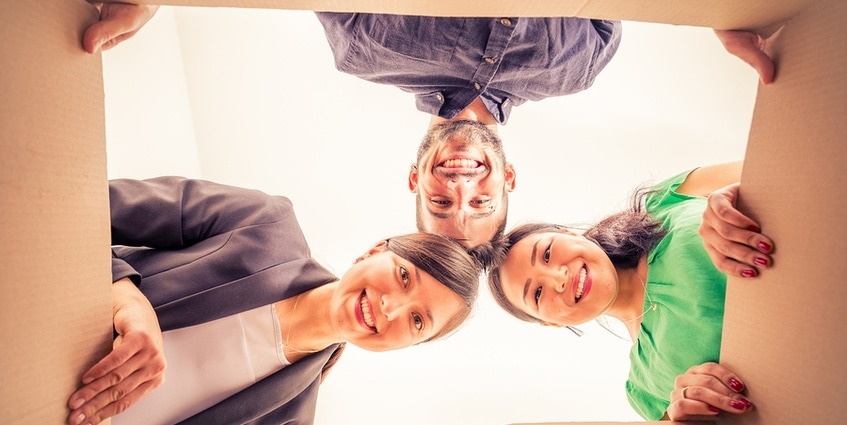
[251, 98]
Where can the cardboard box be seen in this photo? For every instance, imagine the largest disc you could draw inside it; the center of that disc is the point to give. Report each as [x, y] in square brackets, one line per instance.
[55, 319]
[782, 331]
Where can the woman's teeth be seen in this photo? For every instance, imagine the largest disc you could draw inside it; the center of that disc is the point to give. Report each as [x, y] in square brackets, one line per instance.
[366, 312]
[580, 287]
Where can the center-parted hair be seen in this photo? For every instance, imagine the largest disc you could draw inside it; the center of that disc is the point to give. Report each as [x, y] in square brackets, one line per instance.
[447, 262]
[625, 237]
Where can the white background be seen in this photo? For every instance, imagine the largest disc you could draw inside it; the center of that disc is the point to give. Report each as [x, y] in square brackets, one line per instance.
[251, 98]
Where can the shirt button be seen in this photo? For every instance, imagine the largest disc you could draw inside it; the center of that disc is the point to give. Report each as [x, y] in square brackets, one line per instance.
[489, 59]
[506, 22]
[439, 97]
[477, 86]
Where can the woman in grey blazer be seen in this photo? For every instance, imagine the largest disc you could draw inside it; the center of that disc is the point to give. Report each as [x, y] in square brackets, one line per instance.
[218, 283]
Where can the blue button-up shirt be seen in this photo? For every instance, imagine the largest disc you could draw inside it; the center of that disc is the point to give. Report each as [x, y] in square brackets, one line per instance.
[449, 62]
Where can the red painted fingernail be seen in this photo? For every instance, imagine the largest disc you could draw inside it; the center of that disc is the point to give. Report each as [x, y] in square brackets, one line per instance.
[738, 404]
[764, 246]
[714, 409]
[754, 228]
[747, 402]
[761, 262]
[748, 273]
[736, 384]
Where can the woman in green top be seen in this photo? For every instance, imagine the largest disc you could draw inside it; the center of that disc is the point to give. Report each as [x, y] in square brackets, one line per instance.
[647, 267]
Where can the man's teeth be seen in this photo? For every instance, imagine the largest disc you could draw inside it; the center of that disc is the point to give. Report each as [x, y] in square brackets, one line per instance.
[460, 163]
[366, 311]
[580, 287]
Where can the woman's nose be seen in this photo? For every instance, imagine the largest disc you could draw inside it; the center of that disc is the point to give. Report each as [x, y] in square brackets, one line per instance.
[561, 279]
[389, 306]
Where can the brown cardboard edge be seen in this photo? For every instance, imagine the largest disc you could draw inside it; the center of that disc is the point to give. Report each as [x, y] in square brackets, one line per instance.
[720, 14]
[56, 315]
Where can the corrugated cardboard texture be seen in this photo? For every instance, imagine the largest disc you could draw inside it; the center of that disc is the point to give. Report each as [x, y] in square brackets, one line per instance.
[721, 14]
[55, 318]
[785, 332]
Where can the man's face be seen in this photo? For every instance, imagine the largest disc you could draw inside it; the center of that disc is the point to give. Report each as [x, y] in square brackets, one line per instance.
[461, 179]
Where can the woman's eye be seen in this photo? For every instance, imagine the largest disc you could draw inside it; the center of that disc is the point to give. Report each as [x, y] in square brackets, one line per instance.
[404, 276]
[547, 253]
[537, 294]
[418, 321]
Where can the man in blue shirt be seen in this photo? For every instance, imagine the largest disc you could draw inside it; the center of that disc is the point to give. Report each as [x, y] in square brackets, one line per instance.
[467, 74]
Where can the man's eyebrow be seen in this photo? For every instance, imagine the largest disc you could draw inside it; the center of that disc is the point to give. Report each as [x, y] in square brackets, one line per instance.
[482, 215]
[474, 216]
[439, 214]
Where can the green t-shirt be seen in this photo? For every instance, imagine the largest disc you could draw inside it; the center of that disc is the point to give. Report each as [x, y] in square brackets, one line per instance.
[685, 328]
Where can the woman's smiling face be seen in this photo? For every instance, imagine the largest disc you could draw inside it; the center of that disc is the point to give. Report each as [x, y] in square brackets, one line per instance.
[559, 278]
[384, 303]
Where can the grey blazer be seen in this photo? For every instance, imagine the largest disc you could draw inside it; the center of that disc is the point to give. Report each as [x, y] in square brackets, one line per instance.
[200, 251]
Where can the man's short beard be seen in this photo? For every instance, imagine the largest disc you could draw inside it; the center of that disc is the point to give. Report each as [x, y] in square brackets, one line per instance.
[472, 131]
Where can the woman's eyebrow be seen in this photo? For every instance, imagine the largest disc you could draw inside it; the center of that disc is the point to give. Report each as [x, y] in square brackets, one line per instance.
[532, 254]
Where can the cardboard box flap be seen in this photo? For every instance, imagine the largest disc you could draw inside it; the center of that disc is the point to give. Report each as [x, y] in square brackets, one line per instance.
[784, 332]
[54, 253]
[721, 14]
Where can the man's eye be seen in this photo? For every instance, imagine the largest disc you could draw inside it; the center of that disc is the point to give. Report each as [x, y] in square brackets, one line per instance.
[440, 201]
[537, 294]
[418, 321]
[404, 276]
[480, 202]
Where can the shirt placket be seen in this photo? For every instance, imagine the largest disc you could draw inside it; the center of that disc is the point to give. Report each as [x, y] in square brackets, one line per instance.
[498, 41]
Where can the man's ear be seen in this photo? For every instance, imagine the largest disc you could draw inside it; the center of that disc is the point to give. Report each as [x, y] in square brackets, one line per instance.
[509, 172]
[413, 178]
[380, 246]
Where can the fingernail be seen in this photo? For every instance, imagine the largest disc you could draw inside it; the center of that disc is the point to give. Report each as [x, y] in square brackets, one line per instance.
[764, 246]
[748, 273]
[714, 409]
[747, 402]
[77, 402]
[738, 404]
[759, 261]
[736, 384]
[78, 419]
[754, 228]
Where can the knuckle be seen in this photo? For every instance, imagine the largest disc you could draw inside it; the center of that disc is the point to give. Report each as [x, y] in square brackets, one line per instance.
[709, 381]
[117, 394]
[122, 405]
[694, 392]
[159, 366]
[114, 378]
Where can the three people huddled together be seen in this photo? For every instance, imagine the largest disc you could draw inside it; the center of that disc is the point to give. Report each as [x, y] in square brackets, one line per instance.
[215, 287]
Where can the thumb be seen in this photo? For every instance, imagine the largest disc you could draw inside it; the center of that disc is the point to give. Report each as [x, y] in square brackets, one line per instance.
[97, 35]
